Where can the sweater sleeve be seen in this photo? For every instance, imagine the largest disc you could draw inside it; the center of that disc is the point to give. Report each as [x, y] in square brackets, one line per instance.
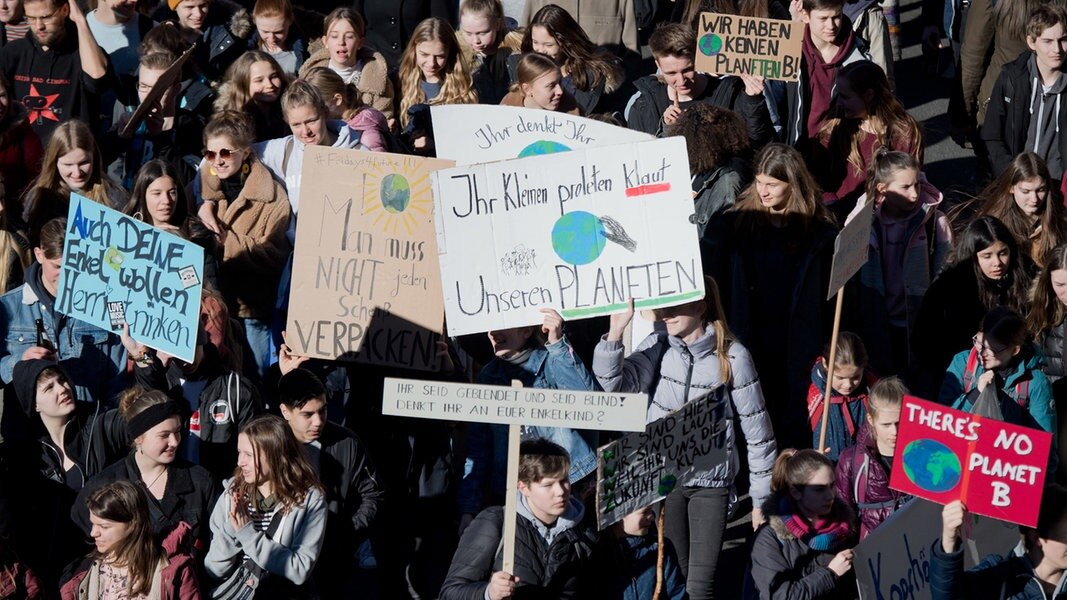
[224, 553]
[777, 579]
[295, 561]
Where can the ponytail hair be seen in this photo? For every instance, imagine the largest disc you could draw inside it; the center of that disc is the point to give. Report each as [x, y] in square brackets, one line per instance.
[793, 468]
[850, 351]
[885, 164]
[724, 338]
[531, 67]
[302, 93]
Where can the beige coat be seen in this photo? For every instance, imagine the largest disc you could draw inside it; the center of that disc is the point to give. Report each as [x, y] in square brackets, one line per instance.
[256, 247]
[606, 22]
[375, 88]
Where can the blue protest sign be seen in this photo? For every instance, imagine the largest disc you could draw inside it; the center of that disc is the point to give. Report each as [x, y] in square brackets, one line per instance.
[118, 270]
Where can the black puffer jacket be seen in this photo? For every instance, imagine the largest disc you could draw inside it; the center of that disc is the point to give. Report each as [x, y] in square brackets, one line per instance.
[560, 570]
[646, 113]
[1052, 345]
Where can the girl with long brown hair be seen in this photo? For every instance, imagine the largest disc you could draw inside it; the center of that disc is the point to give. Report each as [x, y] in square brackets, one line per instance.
[72, 163]
[865, 116]
[271, 512]
[1024, 198]
[589, 72]
[771, 255]
[126, 562]
[254, 85]
[700, 350]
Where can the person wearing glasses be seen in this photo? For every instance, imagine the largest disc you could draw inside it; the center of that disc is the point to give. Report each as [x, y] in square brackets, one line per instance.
[1002, 354]
[249, 212]
[58, 70]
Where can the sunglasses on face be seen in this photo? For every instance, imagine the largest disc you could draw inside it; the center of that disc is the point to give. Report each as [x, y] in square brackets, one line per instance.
[223, 153]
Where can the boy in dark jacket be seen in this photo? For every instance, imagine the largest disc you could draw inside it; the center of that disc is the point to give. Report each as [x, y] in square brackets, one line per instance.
[552, 549]
[1024, 111]
[829, 43]
[662, 98]
[627, 556]
[1034, 570]
[353, 493]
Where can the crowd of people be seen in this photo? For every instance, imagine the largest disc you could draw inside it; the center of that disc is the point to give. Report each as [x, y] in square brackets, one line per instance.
[254, 472]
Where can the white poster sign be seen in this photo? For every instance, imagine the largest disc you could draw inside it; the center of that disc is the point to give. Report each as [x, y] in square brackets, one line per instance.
[581, 232]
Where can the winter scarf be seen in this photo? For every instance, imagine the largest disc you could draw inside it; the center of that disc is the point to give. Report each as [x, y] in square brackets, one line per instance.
[825, 534]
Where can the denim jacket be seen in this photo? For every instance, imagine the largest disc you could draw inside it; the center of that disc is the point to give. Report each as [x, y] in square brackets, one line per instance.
[554, 366]
[95, 359]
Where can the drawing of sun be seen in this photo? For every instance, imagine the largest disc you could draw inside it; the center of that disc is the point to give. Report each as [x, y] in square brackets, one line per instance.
[398, 197]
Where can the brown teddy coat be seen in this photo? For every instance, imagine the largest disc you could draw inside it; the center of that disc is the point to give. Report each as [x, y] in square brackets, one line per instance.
[375, 88]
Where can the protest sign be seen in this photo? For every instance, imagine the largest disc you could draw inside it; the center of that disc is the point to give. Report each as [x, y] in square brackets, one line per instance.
[164, 82]
[478, 133]
[581, 232]
[117, 270]
[366, 283]
[996, 468]
[894, 560]
[736, 45]
[850, 249]
[644, 467]
[506, 405]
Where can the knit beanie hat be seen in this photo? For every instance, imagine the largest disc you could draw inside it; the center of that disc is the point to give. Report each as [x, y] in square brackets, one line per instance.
[173, 4]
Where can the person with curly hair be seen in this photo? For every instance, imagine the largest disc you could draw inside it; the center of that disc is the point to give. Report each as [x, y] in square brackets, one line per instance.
[718, 164]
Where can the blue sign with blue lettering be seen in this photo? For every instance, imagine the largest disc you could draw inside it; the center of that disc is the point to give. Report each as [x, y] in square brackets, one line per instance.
[118, 270]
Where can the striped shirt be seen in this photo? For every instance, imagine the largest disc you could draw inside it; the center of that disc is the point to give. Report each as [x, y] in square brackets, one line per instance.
[17, 31]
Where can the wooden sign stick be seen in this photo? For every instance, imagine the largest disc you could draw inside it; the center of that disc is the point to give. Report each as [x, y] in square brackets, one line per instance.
[830, 372]
[510, 490]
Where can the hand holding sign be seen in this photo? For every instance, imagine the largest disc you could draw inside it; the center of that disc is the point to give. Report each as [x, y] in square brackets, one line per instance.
[841, 563]
[501, 585]
[952, 518]
[619, 322]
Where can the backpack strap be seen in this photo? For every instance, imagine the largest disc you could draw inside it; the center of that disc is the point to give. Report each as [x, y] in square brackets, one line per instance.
[1022, 393]
[859, 488]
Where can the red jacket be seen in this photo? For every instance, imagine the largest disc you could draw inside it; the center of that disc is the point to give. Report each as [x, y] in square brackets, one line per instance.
[178, 578]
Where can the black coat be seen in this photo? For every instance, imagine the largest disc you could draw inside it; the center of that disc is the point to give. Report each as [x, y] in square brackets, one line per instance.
[1052, 345]
[558, 571]
[189, 496]
[390, 23]
[646, 114]
[353, 494]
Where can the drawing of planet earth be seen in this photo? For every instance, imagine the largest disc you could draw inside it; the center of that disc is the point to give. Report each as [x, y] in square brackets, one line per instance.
[578, 237]
[395, 193]
[543, 147]
[931, 465]
[710, 44]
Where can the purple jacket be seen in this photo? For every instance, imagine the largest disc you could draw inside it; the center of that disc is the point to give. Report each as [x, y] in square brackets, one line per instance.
[863, 483]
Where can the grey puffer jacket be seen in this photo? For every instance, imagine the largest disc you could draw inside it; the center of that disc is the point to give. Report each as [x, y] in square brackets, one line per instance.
[673, 374]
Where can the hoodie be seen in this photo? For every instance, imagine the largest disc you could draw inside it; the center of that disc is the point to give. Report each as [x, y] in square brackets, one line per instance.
[821, 74]
[1044, 129]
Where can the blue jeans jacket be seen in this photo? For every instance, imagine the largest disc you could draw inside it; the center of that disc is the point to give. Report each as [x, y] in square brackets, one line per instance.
[94, 358]
[555, 366]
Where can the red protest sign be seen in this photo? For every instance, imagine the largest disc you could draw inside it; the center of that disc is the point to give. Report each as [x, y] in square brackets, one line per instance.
[996, 468]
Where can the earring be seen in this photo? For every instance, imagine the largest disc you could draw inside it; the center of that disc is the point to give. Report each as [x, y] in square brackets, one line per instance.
[245, 169]
[213, 172]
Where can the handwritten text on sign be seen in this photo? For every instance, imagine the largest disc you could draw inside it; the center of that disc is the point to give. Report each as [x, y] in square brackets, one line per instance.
[893, 562]
[476, 133]
[996, 468]
[644, 467]
[119, 270]
[366, 282]
[581, 232]
[850, 249]
[513, 406]
[735, 45]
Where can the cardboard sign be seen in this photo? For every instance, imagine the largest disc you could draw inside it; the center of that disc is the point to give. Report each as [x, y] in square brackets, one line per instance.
[366, 283]
[644, 467]
[477, 133]
[850, 249]
[735, 45]
[894, 560]
[119, 270]
[996, 468]
[581, 232]
[451, 401]
[168, 78]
